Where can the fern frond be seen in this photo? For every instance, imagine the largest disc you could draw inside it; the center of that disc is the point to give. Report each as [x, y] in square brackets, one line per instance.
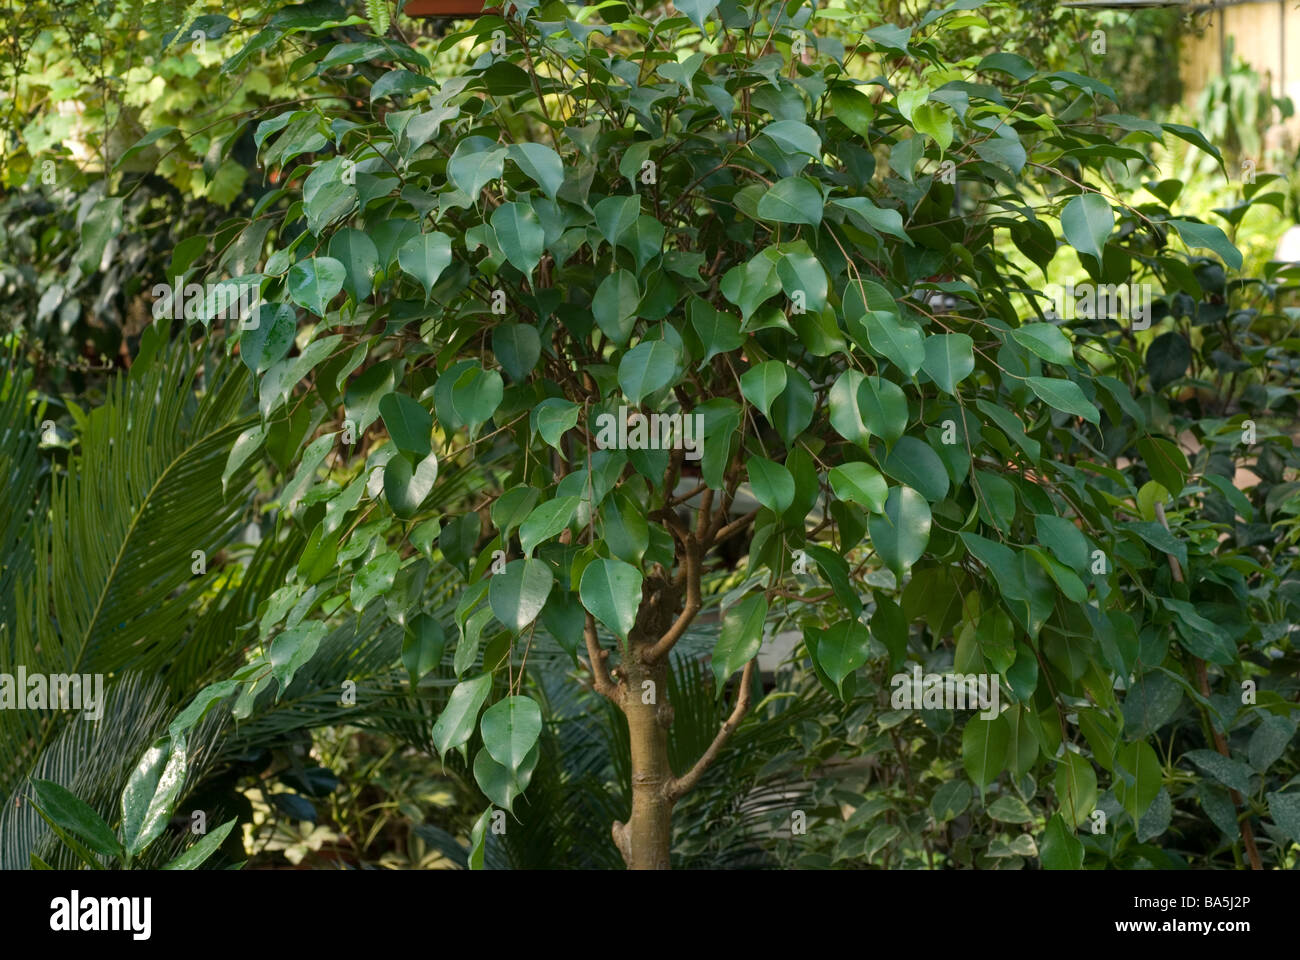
[377, 14]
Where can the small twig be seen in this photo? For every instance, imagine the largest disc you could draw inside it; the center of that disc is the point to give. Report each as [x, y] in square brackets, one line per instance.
[600, 678]
[678, 787]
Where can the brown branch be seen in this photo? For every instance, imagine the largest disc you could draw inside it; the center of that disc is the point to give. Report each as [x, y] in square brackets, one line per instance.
[702, 522]
[735, 526]
[691, 567]
[678, 787]
[600, 678]
[1220, 743]
[720, 515]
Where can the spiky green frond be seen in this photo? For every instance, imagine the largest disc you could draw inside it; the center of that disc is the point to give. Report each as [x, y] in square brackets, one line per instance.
[111, 586]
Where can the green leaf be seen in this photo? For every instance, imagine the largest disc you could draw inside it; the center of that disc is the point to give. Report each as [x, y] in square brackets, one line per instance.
[194, 857]
[1168, 358]
[949, 359]
[846, 413]
[518, 593]
[552, 418]
[901, 533]
[1076, 788]
[478, 835]
[519, 235]
[518, 347]
[407, 487]
[647, 368]
[772, 483]
[1065, 396]
[203, 701]
[719, 332]
[466, 395]
[360, 259]
[882, 407]
[897, 340]
[794, 137]
[860, 483]
[762, 384]
[933, 121]
[880, 219]
[1166, 462]
[425, 257]
[1058, 847]
[1233, 774]
[1045, 341]
[852, 108]
[891, 37]
[293, 648]
[326, 197]
[984, 748]
[151, 793]
[1284, 808]
[1269, 741]
[501, 785]
[455, 725]
[842, 649]
[615, 304]
[313, 283]
[422, 645]
[102, 224]
[915, 463]
[950, 800]
[802, 275]
[1008, 151]
[156, 134]
[610, 590]
[1009, 809]
[547, 520]
[739, 639]
[72, 813]
[408, 423]
[792, 411]
[624, 528]
[792, 200]
[268, 340]
[1087, 221]
[615, 217]
[513, 507]
[1064, 540]
[697, 10]
[1210, 237]
[1138, 777]
[753, 282]
[374, 579]
[474, 163]
[539, 162]
[510, 730]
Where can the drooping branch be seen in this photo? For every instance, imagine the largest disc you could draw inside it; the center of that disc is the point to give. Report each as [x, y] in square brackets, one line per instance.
[600, 678]
[678, 787]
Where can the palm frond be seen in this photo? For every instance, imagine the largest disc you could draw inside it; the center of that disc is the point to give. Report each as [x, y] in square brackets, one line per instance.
[23, 474]
[110, 588]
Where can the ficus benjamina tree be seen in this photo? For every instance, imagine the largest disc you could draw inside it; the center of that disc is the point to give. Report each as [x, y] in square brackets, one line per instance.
[773, 274]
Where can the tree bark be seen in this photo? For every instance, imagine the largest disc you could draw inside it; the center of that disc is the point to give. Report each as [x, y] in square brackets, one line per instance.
[645, 840]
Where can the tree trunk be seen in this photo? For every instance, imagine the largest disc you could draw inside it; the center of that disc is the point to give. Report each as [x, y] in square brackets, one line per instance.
[645, 840]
